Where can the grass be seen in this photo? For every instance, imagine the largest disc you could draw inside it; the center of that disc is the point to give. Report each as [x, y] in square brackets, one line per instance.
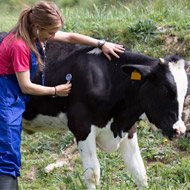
[145, 26]
[167, 163]
[137, 24]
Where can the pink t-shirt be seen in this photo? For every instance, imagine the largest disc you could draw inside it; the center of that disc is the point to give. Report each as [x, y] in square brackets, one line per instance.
[14, 55]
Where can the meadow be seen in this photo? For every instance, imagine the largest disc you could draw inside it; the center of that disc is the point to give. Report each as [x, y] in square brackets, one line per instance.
[153, 27]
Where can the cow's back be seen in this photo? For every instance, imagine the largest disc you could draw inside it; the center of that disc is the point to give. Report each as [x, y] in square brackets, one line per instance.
[98, 85]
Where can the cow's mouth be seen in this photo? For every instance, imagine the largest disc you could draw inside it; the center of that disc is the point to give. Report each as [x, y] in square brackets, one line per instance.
[179, 128]
[179, 133]
[172, 133]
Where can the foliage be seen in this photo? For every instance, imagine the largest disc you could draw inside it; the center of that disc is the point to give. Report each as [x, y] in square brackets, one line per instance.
[184, 143]
[143, 29]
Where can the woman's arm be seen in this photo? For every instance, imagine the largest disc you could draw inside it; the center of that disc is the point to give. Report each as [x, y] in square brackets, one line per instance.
[28, 87]
[107, 48]
[75, 38]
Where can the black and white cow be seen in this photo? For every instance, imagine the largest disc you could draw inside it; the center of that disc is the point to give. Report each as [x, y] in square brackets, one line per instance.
[107, 99]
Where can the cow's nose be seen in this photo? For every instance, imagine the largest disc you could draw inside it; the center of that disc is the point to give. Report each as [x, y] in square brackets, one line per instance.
[179, 126]
[179, 133]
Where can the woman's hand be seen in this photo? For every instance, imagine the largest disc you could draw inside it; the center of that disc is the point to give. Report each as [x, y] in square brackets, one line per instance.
[28, 87]
[107, 48]
[63, 89]
[112, 48]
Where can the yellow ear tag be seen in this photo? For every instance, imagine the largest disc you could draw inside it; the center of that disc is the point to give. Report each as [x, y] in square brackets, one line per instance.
[135, 75]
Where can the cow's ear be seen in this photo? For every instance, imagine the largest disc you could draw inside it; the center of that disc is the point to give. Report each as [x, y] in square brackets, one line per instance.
[142, 69]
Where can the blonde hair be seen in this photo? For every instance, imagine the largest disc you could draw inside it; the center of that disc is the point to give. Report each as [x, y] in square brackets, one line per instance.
[45, 14]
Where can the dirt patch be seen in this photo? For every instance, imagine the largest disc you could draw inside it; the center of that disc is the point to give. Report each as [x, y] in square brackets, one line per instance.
[32, 174]
[68, 156]
[173, 45]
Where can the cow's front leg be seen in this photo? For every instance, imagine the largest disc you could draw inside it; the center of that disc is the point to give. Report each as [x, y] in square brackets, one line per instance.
[91, 167]
[129, 149]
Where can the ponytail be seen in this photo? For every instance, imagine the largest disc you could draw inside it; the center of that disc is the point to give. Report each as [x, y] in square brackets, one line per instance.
[45, 14]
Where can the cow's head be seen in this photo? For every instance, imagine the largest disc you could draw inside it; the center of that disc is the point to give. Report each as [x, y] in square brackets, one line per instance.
[163, 91]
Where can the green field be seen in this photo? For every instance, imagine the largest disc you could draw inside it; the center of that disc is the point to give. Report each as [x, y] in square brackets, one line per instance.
[152, 27]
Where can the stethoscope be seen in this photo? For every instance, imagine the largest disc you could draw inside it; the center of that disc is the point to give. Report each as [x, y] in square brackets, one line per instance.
[43, 58]
[68, 76]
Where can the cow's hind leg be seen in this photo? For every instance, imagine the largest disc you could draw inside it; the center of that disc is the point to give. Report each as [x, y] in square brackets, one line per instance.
[91, 167]
[129, 149]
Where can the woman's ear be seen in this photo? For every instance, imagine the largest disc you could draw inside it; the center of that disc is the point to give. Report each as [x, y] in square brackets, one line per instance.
[36, 29]
[36, 26]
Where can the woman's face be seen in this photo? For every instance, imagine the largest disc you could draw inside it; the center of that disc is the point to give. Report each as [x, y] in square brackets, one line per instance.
[46, 34]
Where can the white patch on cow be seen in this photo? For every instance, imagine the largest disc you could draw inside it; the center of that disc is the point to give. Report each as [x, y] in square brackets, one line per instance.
[95, 51]
[48, 124]
[91, 166]
[104, 139]
[180, 78]
[130, 152]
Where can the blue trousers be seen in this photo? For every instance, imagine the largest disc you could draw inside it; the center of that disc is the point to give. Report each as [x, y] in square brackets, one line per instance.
[12, 106]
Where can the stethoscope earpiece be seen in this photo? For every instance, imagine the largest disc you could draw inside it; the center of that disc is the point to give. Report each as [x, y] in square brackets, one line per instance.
[37, 31]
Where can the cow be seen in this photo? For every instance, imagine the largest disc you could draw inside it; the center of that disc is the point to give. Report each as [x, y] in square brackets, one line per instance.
[106, 100]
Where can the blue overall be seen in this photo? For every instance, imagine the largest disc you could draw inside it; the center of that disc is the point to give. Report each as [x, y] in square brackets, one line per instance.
[12, 106]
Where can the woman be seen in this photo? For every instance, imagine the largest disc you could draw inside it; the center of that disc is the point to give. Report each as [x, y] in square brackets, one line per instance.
[19, 59]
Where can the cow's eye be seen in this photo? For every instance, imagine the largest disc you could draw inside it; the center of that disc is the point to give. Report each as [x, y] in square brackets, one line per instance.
[168, 91]
[164, 91]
